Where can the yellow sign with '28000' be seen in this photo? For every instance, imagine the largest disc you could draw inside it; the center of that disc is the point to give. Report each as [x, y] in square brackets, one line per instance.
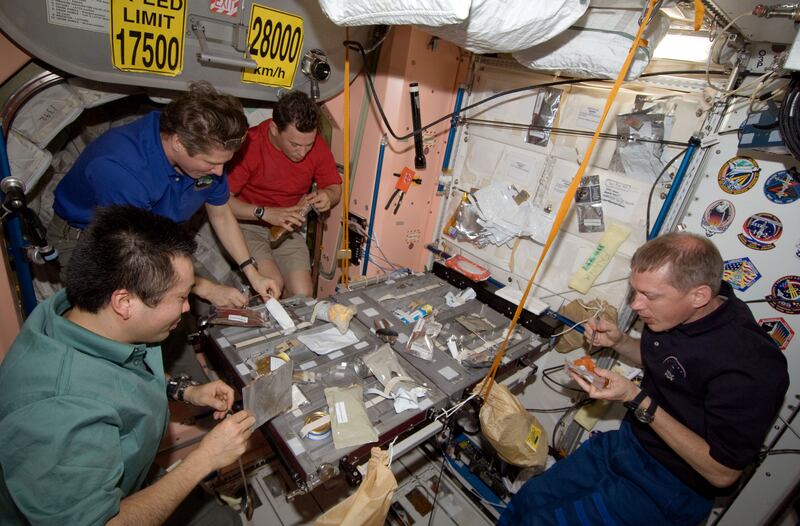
[147, 35]
[275, 41]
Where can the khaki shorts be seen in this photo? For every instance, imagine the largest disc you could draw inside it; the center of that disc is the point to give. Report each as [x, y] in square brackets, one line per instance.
[291, 254]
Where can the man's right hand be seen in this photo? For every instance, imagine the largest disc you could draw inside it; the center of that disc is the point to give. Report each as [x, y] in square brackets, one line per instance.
[226, 442]
[290, 218]
[600, 333]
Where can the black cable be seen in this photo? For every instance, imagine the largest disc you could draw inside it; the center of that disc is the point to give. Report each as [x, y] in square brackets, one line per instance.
[765, 454]
[789, 117]
[352, 44]
[653, 188]
[546, 374]
[576, 405]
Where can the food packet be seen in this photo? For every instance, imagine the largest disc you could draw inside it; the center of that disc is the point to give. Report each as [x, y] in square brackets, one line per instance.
[339, 315]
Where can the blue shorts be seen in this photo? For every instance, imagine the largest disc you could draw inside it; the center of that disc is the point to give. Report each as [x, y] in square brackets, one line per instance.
[609, 480]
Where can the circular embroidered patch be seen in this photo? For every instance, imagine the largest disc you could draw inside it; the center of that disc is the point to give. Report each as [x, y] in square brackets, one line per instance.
[738, 175]
[783, 187]
[718, 217]
[741, 273]
[786, 295]
[760, 230]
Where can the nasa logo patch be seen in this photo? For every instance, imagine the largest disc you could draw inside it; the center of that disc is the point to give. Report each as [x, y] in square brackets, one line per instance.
[783, 187]
[760, 230]
[738, 175]
[786, 295]
[741, 273]
[778, 330]
[718, 217]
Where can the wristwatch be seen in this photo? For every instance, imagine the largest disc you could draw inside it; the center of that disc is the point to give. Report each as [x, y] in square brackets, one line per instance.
[643, 415]
[249, 261]
[259, 213]
[176, 386]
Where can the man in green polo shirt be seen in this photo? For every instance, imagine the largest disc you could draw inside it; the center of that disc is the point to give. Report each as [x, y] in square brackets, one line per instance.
[83, 403]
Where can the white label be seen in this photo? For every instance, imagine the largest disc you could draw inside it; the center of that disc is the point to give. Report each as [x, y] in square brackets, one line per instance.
[589, 117]
[341, 412]
[89, 15]
[223, 342]
[448, 372]
[242, 369]
[369, 313]
[360, 345]
[335, 355]
[237, 318]
[308, 365]
[297, 413]
[356, 300]
[295, 445]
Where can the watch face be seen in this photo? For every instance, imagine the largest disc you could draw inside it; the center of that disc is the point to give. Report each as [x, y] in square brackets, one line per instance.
[642, 416]
[259, 212]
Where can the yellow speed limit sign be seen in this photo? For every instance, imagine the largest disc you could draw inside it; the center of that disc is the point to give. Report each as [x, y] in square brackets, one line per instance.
[275, 39]
[147, 35]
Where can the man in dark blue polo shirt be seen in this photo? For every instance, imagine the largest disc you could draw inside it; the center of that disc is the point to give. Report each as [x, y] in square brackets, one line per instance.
[170, 163]
[713, 383]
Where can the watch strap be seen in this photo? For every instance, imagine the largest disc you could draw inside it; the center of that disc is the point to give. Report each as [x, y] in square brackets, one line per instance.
[249, 261]
[634, 403]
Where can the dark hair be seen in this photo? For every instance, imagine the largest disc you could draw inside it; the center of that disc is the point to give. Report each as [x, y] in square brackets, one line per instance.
[692, 260]
[296, 108]
[125, 247]
[203, 118]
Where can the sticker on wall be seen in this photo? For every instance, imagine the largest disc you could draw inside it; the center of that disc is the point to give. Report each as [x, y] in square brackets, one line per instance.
[225, 7]
[778, 330]
[741, 273]
[760, 230]
[738, 175]
[718, 217]
[786, 295]
[783, 187]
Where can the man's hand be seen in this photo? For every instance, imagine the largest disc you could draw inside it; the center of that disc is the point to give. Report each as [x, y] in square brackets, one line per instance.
[225, 443]
[264, 286]
[223, 296]
[600, 333]
[217, 395]
[617, 388]
[320, 200]
[290, 218]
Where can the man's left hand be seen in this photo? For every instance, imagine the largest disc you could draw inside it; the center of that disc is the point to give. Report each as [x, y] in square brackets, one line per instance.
[617, 388]
[320, 200]
[217, 395]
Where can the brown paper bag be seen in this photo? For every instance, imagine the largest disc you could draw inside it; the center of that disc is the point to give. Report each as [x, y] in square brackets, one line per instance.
[576, 312]
[369, 505]
[514, 433]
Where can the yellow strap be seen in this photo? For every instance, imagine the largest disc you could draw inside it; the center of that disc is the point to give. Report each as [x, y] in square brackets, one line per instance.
[345, 261]
[699, 13]
[566, 203]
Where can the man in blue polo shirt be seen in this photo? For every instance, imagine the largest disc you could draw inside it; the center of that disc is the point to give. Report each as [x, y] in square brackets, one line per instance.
[83, 397]
[713, 383]
[170, 163]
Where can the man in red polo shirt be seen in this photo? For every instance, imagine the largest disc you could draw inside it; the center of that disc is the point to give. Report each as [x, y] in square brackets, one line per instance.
[270, 182]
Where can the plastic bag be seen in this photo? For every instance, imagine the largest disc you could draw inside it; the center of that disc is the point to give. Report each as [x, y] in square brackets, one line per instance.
[514, 433]
[338, 315]
[349, 420]
[369, 505]
[420, 343]
[237, 317]
[578, 310]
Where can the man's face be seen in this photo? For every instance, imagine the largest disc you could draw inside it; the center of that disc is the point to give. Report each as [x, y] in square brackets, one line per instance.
[660, 305]
[205, 162]
[294, 144]
[153, 324]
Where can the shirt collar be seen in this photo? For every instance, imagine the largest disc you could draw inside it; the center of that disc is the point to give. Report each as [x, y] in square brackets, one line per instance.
[85, 340]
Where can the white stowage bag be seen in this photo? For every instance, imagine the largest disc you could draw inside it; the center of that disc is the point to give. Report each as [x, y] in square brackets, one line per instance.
[503, 26]
[395, 12]
[597, 44]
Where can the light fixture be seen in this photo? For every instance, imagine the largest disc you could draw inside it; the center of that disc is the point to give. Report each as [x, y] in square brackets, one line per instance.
[688, 48]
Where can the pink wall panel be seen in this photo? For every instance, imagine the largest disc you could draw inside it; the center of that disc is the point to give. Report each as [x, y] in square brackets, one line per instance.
[408, 55]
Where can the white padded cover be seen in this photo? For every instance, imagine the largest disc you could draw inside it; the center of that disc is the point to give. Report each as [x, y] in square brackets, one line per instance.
[596, 46]
[503, 26]
[395, 12]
